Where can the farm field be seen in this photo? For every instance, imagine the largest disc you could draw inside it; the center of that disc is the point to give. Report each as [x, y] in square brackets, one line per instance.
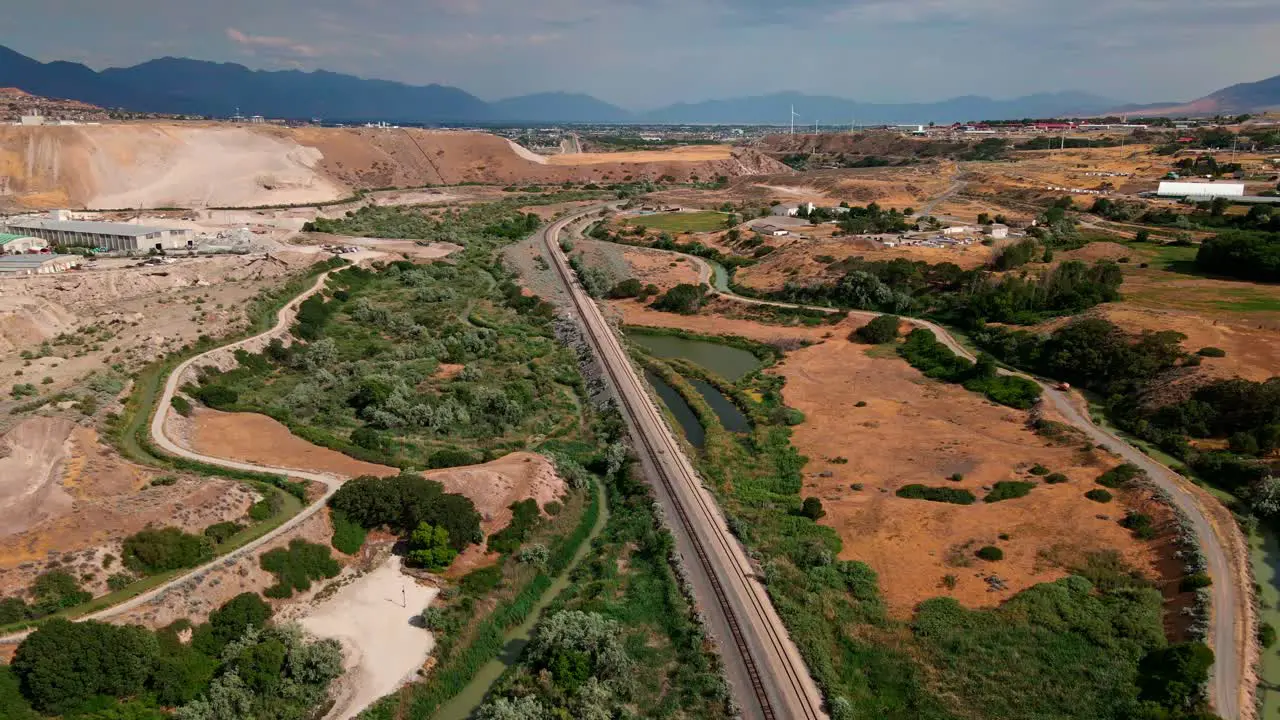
[681, 222]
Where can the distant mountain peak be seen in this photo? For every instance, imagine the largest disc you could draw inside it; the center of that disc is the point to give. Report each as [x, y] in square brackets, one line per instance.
[202, 87]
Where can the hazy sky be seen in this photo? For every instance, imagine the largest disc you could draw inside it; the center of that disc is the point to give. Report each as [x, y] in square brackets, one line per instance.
[644, 53]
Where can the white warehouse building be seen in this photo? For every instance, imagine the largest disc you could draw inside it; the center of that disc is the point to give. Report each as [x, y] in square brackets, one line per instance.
[1200, 189]
[112, 236]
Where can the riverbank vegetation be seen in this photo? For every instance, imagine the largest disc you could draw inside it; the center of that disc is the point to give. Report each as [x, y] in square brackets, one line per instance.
[627, 609]
[237, 664]
[368, 381]
[946, 660]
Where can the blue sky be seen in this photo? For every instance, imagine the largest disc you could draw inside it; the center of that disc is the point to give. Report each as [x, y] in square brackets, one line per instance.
[645, 53]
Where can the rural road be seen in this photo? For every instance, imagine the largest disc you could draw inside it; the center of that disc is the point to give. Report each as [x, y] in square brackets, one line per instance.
[163, 406]
[768, 677]
[1232, 620]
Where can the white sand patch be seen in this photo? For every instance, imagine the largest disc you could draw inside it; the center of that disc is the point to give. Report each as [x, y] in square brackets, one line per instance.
[372, 618]
[183, 166]
[526, 153]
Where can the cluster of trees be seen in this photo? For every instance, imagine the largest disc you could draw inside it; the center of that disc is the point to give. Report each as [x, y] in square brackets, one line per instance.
[154, 551]
[967, 297]
[404, 503]
[51, 591]
[685, 298]
[881, 329]
[367, 376]
[1244, 255]
[596, 281]
[235, 666]
[296, 566]
[1122, 367]
[923, 351]
[583, 655]
[1090, 352]
[871, 219]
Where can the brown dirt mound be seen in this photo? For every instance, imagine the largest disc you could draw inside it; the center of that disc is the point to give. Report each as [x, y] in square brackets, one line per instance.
[254, 438]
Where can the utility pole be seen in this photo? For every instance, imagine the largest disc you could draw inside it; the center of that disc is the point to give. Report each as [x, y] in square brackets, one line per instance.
[793, 119]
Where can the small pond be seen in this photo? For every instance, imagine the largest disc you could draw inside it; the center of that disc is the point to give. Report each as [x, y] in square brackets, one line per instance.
[693, 430]
[730, 363]
[732, 418]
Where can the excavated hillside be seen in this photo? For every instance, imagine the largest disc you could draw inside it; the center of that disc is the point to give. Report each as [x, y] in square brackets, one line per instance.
[172, 164]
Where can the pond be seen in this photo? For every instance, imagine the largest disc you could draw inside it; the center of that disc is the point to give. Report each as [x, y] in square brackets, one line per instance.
[732, 418]
[1264, 552]
[730, 363]
[693, 430]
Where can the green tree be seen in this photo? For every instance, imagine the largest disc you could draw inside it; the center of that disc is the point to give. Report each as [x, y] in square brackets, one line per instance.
[230, 621]
[880, 329]
[812, 508]
[1173, 676]
[429, 547]
[62, 664]
[157, 551]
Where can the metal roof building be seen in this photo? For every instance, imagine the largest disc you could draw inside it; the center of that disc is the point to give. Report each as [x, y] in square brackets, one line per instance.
[37, 264]
[113, 236]
[1200, 190]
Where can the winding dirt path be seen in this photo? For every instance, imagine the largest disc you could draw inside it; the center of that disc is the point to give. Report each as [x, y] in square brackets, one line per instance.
[158, 436]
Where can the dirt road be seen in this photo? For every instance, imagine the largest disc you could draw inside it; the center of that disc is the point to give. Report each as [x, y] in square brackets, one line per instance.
[331, 482]
[1230, 634]
[768, 677]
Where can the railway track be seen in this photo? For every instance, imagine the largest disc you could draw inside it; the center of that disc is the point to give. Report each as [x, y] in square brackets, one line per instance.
[766, 662]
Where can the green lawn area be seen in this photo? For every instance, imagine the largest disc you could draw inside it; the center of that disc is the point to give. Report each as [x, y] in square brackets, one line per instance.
[683, 221]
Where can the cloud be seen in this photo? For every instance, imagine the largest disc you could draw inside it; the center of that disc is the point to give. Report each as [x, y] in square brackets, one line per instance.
[272, 45]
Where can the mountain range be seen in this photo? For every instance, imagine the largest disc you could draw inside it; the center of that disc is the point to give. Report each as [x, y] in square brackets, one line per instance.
[197, 87]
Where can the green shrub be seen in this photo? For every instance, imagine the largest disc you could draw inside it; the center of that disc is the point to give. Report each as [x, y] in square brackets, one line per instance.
[451, 457]
[1119, 476]
[812, 508]
[1099, 495]
[480, 582]
[1055, 479]
[524, 518]
[956, 477]
[265, 508]
[936, 494]
[1140, 524]
[297, 566]
[1194, 582]
[990, 553]
[881, 329]
[1008, 490]
[120, 581]
[223, 531]
[164, 481]
[628, 288]
[1266, 634]
[1039, 470]
[217, 397]
[156, 551]
[1211, 352]
[348, 537]
[55, 589]
[182, 405]
[685, 299]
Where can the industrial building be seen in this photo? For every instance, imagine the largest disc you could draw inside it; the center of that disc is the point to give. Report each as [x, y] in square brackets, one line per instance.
[111, 236]
[39, 264]
[1200, 190]
[11, 244]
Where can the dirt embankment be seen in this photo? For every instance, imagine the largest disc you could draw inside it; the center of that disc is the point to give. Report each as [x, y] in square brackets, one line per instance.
[170, 164]
[258, 439]
[66, 500]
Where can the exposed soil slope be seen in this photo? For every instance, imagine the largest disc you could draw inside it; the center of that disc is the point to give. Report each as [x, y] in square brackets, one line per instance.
[169, 164]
